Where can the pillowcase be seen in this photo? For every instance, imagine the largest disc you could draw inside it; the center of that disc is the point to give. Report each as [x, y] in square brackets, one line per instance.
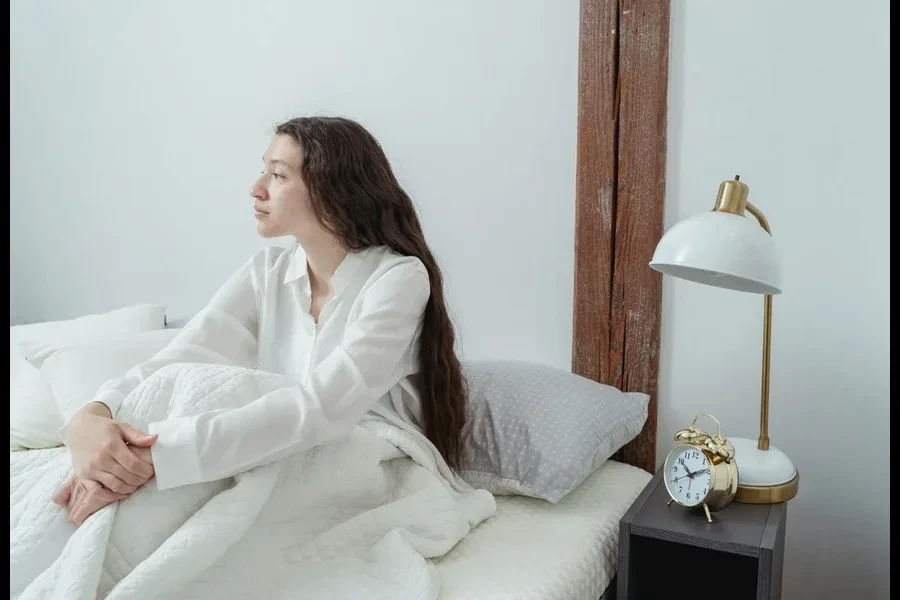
[35, 412]
[37, 341]
[75, 374]
[30, 403]
[540, 431]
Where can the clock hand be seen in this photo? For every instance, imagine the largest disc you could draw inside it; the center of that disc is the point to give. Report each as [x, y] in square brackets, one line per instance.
[689, 474]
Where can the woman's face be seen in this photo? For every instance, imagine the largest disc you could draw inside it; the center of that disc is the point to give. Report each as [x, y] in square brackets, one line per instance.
[280, 198]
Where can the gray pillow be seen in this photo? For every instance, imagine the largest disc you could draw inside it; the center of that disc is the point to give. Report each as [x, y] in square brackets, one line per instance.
[539, 431]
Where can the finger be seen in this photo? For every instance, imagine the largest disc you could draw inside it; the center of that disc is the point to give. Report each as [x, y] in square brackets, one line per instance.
[75, 502]
[133, 464]
[114, 483]
[108, 496]
[92, 503]
[75, 498]
[138, 438]
[79, 515]
[114, 467]
[144, 454]
[63, 492]
[97, 492]
[74, 513]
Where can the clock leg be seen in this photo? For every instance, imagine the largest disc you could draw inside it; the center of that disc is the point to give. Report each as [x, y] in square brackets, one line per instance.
[671, 500]
[706, 509]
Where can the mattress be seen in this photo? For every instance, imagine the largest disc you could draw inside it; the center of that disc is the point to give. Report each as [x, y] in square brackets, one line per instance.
[528, 550]
[531, 549]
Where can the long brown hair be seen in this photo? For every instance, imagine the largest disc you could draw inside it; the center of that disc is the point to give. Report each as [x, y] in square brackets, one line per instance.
[357, 198]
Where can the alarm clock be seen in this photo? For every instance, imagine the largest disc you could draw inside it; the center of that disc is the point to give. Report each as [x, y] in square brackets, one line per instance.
[700, 469]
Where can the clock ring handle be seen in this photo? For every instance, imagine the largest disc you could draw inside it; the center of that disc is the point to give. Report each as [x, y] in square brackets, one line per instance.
[717, 444]
[719, 425]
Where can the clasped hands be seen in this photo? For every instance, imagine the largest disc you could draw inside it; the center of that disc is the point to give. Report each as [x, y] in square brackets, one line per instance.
[110, 460]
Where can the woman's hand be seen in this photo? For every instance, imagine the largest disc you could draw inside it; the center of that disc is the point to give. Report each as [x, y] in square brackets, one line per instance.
[100, 450]
[84, 497]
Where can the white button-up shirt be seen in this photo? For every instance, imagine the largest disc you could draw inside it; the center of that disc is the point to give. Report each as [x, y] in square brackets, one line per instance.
[359, 356]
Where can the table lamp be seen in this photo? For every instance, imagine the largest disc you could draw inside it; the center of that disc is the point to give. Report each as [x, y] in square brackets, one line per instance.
[724, 248]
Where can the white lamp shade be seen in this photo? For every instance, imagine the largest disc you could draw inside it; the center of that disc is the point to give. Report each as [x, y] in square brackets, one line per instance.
[722, 250]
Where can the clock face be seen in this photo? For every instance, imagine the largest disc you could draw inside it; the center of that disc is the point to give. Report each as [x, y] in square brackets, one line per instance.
[687, 475]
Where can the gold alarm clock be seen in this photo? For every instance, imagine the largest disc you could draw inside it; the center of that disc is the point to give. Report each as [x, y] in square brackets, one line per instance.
[700, 470]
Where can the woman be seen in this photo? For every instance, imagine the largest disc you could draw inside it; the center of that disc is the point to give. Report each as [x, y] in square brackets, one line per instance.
[354, 313]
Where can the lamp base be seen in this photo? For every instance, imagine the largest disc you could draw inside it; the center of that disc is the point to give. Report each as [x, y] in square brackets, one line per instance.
[768, 494]
[764, 476]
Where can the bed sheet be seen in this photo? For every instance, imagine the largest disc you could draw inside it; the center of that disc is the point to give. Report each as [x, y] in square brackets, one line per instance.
[531, 549]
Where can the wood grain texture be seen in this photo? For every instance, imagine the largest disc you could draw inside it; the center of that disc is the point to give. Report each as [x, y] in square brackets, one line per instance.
[743, 547]
[771, 554]
[737, 529]
[623, 75]
[595, 186]
[637, 289]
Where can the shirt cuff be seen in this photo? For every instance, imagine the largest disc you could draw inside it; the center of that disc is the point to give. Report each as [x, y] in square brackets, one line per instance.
[111, 398]
[175, 457]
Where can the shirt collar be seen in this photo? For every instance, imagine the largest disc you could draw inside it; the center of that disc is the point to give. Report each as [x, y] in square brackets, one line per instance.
[297, 269]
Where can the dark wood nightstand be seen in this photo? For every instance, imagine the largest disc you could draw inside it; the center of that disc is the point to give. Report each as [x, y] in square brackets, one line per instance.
[739, 555]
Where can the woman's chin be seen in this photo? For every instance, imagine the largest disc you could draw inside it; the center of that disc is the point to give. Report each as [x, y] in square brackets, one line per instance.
[266, 231]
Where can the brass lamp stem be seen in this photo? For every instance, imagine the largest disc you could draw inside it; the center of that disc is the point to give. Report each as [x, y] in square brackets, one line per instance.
[763, 443]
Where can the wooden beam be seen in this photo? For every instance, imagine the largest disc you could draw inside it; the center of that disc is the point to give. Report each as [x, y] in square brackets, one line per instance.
[595, 186]
[640, 196]
[620, 196]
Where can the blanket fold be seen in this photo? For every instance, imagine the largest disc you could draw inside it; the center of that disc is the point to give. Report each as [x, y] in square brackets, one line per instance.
[361, 518]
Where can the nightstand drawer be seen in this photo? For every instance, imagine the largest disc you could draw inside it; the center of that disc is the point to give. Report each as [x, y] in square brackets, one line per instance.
[666, 548]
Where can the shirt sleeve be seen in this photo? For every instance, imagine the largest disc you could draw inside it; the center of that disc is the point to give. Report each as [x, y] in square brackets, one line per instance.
[371, 358]
[224, 332]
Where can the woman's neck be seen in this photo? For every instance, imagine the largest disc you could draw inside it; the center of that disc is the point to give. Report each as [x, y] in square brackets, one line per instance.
[322, 260]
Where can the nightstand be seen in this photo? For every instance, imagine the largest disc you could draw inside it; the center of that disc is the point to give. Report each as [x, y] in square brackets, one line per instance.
[669, 551]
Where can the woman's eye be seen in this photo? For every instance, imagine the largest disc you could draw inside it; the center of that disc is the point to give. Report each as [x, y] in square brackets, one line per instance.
[278, 176]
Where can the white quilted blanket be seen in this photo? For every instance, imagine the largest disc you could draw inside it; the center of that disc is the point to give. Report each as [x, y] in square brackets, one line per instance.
[356, 519]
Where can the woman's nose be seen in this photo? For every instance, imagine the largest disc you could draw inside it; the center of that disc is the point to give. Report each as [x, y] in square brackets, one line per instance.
[257, 190]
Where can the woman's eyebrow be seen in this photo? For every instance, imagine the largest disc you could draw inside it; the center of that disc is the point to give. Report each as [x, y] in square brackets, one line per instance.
[276, 161]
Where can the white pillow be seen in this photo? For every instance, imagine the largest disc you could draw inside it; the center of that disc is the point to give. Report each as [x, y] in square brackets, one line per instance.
[33, 412]
[75, 374]
[37, 341]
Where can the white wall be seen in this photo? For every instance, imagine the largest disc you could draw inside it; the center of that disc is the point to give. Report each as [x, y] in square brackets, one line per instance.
[137, 129]
[794, 97]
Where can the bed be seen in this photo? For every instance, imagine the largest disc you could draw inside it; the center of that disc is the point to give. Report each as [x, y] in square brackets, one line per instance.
[518, 546]
[526, 548]
[531, 548]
